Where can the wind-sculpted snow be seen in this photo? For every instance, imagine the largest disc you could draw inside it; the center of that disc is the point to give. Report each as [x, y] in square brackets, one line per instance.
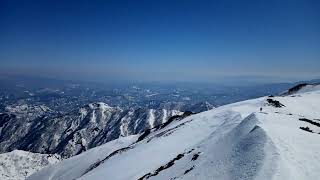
[233, 142]
[245, 152]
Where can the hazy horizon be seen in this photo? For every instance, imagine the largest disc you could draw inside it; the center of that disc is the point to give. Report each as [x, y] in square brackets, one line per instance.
[166, 41]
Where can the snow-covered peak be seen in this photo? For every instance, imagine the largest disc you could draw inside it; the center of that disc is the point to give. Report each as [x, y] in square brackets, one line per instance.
[254, 139]
[302, 88]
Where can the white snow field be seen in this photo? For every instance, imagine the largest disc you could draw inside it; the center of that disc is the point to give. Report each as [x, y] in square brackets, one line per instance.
[232, 142]
[17, 164]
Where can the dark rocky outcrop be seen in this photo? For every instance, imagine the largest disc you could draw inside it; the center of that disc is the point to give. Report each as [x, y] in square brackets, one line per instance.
[296, 88]
[306, 129]
[160, 126]
[188, 170]
[310, 121]
[161, 168]
[195, 157]
[275, 103]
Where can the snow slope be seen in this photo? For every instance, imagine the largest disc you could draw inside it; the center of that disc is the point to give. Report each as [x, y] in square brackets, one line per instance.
[75, 166]
[236, 141]
[18, 164]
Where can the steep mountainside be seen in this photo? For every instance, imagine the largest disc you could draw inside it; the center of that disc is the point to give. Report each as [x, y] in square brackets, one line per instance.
[236, 141]
[38, 129]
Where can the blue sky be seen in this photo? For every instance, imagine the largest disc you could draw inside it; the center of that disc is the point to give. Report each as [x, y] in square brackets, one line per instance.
[161, 40]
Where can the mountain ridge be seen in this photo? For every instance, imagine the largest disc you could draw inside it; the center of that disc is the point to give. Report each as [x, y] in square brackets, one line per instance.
[235, 141]
[75, 132]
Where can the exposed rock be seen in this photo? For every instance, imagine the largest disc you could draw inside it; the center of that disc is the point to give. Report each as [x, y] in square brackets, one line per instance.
[275, 103]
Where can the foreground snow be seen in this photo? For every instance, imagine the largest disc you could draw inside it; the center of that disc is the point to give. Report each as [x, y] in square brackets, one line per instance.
[77, 165]
[235, 141]
[16, 165]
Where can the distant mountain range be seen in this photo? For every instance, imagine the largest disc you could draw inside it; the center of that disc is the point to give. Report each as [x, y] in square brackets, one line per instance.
[67, 119]
[35, 129]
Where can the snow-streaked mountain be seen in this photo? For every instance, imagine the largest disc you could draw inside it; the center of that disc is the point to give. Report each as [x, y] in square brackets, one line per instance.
[236, 141]
[17, 165]
[30, 128]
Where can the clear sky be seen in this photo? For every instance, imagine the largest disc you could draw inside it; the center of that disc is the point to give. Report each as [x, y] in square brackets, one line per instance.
[168, 40]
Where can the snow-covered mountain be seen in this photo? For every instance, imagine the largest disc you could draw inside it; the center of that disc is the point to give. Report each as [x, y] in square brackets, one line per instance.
[303, 87]
[17, 165]
[37, 129]
[265, 138]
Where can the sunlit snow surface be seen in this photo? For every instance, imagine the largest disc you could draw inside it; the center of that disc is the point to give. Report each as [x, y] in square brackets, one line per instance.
[231, 142]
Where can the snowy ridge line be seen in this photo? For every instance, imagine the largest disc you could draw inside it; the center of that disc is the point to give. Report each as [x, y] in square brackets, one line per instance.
[73, 167]
[236, 138]
[106, 158]
[141, 137]
[246, 144]
[167, 131]
[249, 140]
[302, 88]
[163, 125]
[166, 166]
